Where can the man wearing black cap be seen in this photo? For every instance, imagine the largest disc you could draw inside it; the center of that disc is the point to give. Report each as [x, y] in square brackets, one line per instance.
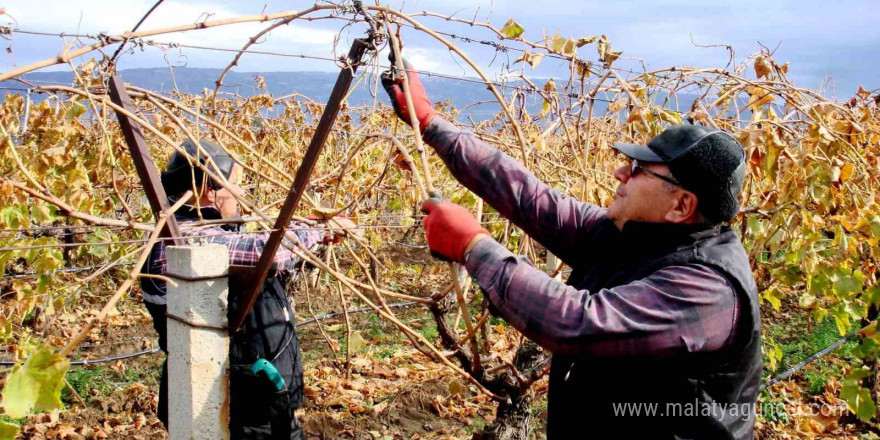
[656, 333]
[258, 408]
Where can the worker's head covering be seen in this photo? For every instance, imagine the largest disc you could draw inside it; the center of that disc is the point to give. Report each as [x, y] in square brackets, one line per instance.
[179, 174]
[708, 163]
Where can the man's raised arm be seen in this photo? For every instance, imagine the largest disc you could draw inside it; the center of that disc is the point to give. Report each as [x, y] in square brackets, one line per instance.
[553, 219]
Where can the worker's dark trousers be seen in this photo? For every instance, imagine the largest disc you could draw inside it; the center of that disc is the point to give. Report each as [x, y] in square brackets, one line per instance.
[257, 410]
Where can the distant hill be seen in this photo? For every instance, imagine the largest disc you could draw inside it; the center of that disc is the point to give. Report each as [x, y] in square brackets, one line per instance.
[314, 85]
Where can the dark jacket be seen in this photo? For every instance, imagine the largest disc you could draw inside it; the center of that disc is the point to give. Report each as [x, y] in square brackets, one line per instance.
[700, 395]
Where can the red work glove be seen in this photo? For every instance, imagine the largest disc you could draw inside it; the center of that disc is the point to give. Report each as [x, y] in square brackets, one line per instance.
[449, 229]
[394, 87]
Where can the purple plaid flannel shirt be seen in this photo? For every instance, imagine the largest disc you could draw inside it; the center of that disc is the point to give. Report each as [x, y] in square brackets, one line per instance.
[244, 249]
[653, 316]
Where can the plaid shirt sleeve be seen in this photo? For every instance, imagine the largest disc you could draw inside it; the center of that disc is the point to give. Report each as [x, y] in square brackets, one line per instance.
[245, 248]
[559, 222]
[688, 308]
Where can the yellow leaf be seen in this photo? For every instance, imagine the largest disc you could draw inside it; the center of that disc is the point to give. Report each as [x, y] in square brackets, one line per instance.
[668, 116]
[601, 47]
[569, 47]
[762, 66]
[612, 56]
[584, 69]
[456, 387]
[356, 342]
[8, 430]
[617, 105]
[540, 144]
[583, 41]
[35, 385]
[512, 29]
[846, 172]
[606, 55]
[557, 43]
[322, 213]
[869, 331]
[532, 58]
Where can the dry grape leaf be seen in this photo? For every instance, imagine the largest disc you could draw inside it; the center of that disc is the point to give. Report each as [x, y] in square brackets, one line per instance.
[846, 172]
[261, 82]
[512, 29]
[612, 56]
[532, 58]
[862, 93]
[401, 162]
[869, 331]
[569, 47]
[75, 110]
[602, 46]
[762, 66]
[583, 41]
[550, 86]
[758, 97]
[456, 387]
[584, 69]
[617, 105]
[557, 43]
[35, 386]
[668, 116]
[606, 55]
[379, 407]
[322, 213]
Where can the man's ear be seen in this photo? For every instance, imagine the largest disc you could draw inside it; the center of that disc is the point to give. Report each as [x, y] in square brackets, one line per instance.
[684, 208]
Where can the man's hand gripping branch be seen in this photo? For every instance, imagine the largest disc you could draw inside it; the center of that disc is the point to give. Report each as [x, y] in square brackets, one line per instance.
[450, 229]
[393, 84]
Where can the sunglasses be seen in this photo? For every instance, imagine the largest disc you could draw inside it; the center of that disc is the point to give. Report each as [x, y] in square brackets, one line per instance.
[635, 168]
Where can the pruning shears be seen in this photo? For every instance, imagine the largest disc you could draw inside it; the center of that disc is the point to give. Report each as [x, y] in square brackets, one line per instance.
[266, 368]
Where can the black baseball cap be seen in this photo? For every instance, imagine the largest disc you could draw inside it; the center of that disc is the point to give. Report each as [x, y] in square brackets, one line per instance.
[707, 162]
[179, 173]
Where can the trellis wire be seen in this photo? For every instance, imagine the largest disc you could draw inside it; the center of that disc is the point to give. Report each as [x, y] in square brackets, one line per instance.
[196, 237]
[421, 72]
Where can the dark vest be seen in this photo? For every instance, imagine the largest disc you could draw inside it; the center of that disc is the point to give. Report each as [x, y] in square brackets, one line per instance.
[701, 395]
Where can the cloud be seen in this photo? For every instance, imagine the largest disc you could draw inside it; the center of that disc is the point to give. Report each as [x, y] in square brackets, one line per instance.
[819, 37]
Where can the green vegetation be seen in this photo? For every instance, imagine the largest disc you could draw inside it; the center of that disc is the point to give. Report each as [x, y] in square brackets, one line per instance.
[797, 345]
[104, 380]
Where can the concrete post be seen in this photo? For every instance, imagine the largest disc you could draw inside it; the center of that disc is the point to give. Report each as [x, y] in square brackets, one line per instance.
[198, 363]
[552, 263]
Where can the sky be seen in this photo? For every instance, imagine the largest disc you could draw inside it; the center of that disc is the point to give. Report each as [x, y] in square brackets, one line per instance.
[832, 46]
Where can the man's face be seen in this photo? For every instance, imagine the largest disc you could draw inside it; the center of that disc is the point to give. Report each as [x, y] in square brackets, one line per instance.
[224, 200]
[642, 196]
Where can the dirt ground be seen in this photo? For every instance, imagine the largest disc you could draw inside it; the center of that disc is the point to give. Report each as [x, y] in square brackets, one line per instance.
[393, 391]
